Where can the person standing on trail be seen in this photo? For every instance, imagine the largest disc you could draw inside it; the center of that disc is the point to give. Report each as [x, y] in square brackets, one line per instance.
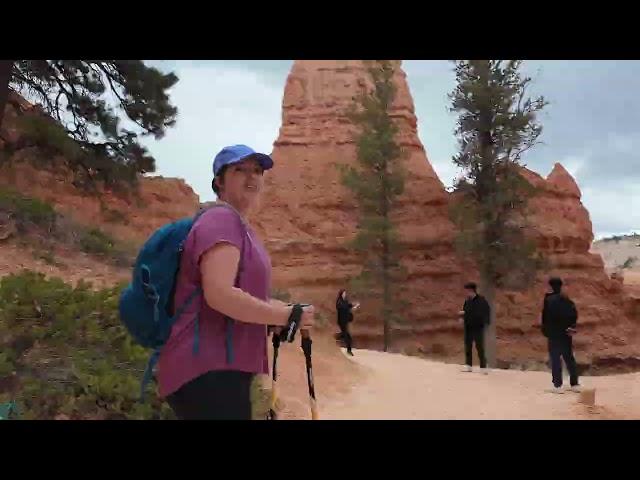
[219, 343]
[475, 315]
[344, 309]
[559, 319]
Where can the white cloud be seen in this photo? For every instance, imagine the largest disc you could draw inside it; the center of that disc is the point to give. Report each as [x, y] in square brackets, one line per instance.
[218, 105]
[613, 210]
[574, 163]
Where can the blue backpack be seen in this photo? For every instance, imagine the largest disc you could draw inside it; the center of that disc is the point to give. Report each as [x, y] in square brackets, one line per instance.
[146, 303]
[9, 411]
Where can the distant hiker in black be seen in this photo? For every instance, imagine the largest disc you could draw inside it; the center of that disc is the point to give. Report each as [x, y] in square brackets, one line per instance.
[345, 316]
[559, 318]
[476, 315]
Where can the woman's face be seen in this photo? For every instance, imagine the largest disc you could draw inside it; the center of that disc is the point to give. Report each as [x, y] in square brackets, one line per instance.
[344, 294]
[242, 184]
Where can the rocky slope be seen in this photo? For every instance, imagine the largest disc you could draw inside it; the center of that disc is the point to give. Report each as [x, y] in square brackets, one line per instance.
[31, 171]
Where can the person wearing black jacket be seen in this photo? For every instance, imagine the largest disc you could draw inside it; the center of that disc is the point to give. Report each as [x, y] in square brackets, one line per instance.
[559, 319]
[476, 315]
[345, 316]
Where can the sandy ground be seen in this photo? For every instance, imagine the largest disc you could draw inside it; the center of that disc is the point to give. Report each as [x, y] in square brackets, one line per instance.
[408, 388]
[632, 282]
[335, 376]
[615, 254]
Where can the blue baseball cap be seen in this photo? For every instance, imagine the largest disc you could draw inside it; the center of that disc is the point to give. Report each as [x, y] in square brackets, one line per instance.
[237, 153]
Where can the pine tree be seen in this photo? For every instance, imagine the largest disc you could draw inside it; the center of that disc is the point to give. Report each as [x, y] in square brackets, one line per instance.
[497, 123]
[75, 94]
[376, 182]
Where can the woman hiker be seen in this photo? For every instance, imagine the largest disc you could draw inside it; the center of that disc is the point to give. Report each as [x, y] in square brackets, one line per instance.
[206, 368]
[345, 316]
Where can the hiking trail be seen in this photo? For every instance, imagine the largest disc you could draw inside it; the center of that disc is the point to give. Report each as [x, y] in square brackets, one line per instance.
[382, 386]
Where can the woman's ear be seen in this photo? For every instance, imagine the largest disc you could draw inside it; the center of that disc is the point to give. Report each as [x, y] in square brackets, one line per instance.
[216, 185]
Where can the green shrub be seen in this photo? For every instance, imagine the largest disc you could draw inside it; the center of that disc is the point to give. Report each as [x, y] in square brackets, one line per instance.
[95, 241]
[27, 210]
[46, 255]
[41, 131]
[629, 262]
[260, 400]
[70, 351]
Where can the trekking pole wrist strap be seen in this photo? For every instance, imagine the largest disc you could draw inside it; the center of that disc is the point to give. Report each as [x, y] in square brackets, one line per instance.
[288, 333]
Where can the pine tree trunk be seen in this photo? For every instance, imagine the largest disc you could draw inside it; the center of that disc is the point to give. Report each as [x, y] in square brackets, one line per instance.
[6, 66]
[386, 314]
[385, 259]
[386, 296]
[488, 290]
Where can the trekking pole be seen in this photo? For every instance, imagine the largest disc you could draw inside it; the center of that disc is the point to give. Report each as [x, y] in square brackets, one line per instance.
[306, 348]
[272, 415]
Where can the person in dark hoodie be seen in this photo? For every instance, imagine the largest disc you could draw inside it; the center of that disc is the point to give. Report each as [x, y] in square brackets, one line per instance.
[476, 315]
[559, 318]
[345, 316]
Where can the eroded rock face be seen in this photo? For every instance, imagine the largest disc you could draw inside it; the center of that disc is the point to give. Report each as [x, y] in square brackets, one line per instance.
[308, 216]
[160, 200]
[563, 231]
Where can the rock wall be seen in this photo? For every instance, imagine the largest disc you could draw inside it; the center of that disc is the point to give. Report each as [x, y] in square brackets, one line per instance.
[307, 217]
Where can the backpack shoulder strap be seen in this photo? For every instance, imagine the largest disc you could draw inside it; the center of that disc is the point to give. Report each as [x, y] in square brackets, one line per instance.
[228, 321]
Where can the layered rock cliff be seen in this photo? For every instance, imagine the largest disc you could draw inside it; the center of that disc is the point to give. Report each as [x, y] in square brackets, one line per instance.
[308, 216]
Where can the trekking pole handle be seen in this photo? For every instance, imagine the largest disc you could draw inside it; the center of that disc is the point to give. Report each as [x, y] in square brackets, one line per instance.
[303, 332]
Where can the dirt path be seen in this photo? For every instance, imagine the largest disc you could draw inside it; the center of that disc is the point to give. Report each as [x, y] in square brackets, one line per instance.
[334, 376]
[399, 387]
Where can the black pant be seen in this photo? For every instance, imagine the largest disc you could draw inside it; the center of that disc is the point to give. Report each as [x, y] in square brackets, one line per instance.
[562, 346]
[471, 335]
[345, 335]
[220, 395]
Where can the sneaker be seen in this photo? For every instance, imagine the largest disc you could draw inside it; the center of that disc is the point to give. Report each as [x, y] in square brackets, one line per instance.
[556, 390]
[576, 388]
[484, 371]
[467, 368]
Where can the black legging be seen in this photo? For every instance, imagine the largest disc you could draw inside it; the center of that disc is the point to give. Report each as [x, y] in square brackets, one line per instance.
[346, 336]
[474, 335]
[562, 347]
[220, 395]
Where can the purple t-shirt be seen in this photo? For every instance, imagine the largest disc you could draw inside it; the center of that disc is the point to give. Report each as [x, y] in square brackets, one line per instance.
[178, 364]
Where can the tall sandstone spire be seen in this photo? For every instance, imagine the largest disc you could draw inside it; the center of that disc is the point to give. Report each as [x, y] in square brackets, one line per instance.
[315, 215]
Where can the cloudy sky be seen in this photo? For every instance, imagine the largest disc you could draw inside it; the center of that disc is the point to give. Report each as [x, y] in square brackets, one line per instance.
[592, 125]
